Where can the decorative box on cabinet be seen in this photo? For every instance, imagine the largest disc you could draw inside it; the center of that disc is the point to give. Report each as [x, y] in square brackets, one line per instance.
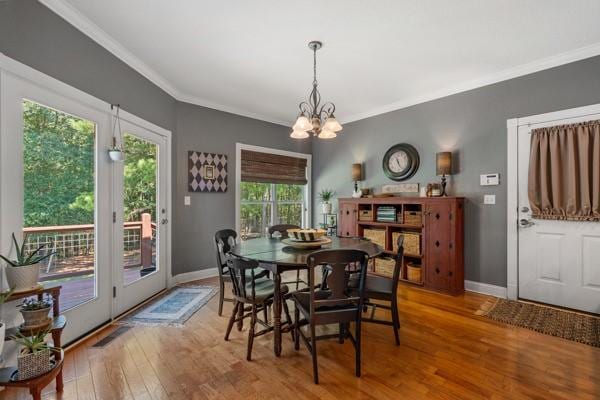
[441, 253]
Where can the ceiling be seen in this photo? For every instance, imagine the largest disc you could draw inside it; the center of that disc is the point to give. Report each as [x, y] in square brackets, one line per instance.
[251, 57]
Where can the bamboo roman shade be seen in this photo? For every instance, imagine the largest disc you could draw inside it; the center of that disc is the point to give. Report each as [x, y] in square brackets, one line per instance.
[272, 168]
[564, 172]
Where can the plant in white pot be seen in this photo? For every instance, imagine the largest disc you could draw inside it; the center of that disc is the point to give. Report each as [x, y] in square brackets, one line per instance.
[325, 195]
[34, 359]
[36, 313]
[23, 272]
[3, 297]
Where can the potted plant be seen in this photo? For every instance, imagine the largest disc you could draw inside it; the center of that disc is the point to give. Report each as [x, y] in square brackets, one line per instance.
[35, 313]
[325, 195]
[3, 297]
[22, 274]
[34, 358]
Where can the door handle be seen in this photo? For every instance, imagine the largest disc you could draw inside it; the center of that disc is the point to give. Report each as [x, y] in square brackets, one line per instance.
[526, 223]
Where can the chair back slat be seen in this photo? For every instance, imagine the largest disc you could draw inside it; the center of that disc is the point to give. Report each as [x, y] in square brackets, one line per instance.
[241, 279]
[225, 239]
[337, 265]
[282, 230]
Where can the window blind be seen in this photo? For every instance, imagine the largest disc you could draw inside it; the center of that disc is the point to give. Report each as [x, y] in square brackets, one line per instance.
[272, 168]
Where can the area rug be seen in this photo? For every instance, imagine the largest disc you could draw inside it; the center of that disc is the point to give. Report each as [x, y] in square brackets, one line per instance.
[568, 325]
[173, 308]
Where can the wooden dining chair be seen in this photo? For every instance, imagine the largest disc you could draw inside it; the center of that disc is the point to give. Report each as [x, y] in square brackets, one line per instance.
[337, 304]
[382, 288]
[225, 239]
[257, 293]
[281, 230]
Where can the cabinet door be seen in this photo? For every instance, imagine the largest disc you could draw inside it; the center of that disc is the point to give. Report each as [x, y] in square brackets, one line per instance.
[348, 219]
[438, 272]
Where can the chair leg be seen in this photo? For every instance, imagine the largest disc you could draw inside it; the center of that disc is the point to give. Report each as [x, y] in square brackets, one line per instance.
[296, 328]
[266, 313]
[288, 318]
[221, 295]
[236, 304]
[251, 333]
[313, 342]
[357, 347]
[297, 279]
[341, 333]
[240, 322]
[396, 321]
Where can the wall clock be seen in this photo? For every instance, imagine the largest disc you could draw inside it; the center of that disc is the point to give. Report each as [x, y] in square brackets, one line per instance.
[401, 162]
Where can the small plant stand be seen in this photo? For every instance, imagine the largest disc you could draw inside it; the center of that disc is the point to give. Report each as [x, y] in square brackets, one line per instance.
[35, 385]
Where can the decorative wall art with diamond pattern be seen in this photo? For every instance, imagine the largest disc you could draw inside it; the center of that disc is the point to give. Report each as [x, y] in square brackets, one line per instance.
[207, 172]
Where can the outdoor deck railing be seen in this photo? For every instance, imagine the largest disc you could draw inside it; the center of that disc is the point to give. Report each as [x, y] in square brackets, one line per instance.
[69, 241]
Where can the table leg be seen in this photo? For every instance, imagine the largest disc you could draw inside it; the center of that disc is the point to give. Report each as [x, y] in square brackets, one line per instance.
[277, 313]
[57, 355]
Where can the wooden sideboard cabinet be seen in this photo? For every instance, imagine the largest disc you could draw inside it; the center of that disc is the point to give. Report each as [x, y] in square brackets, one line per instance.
[433, 229]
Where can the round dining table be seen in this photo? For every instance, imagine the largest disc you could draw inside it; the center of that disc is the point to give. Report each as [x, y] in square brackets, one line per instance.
[277, 257]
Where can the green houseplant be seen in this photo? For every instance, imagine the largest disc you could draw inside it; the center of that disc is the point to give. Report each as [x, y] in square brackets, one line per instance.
[326, 195]
[35, 313]
[23, 272]
[34, 357]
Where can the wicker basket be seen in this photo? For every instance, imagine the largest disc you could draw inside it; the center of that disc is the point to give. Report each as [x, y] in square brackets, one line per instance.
[33, 364]
[413, 218]
[413, 272]
[376, 236]
[385, 266]
[365, 215]
[412, 243]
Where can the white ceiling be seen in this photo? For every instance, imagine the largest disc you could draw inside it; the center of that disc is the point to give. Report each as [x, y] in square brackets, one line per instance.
[251, 57]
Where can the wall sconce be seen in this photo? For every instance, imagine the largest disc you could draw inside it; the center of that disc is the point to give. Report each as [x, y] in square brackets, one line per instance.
[357, 176]
[443, 167]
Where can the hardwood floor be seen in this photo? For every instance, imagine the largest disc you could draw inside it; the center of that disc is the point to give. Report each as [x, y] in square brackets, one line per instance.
[446, 352]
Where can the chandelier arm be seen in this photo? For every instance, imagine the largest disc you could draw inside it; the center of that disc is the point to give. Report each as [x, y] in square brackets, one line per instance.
[327, 108]
[305, 108]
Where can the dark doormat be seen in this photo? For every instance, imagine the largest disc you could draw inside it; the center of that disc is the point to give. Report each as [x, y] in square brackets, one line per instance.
[113, 335]
[568, 325]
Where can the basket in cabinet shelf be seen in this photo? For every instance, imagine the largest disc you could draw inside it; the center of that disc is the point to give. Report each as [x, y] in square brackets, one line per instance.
[412, 217]
[376, 236]
[385, 266]
[365, 215]
[412, 242]
[413, 272]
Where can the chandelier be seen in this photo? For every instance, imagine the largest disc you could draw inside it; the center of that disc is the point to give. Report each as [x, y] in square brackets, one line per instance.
[314, 118]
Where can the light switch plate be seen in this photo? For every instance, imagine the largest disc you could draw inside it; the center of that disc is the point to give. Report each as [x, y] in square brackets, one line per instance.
[489, 179]
[187, 200]
[489, 199]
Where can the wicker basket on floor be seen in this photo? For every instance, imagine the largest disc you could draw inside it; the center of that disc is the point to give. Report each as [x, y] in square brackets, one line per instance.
[413, 272]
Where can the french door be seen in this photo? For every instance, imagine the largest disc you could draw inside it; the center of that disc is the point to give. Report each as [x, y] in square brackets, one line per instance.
[105, 222]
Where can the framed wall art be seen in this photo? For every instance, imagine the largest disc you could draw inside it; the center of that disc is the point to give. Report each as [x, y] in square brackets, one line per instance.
[207, 172]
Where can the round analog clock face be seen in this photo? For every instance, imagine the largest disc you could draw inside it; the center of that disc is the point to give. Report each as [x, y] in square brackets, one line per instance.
[401, 162]
[398, 161]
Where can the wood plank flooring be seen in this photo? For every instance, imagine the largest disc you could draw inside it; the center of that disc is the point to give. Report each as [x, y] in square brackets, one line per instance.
[447, 352]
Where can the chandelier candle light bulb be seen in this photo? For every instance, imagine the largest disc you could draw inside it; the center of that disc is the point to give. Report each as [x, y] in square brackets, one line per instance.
[313, 117]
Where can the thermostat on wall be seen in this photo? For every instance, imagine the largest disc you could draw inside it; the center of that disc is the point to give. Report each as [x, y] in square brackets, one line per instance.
[489, 179]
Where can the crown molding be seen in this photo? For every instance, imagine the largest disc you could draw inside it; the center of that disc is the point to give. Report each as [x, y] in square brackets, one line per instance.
[504, 75]
[85, 25]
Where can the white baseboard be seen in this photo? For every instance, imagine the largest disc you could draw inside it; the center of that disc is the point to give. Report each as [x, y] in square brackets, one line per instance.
[485, 288]
[194, 276]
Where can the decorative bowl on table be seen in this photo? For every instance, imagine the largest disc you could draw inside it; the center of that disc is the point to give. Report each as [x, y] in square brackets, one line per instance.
[306, 235]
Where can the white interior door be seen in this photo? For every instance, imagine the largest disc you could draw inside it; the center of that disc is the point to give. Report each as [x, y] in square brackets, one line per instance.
[55, 189]
[140, 217]
[558, 261]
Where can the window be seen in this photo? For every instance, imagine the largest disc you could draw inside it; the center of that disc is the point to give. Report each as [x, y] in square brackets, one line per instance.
[273, 190]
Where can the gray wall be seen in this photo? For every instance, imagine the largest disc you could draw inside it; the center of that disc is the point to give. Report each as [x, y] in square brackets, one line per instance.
[34, 35]
[203, 129]
[473, 126]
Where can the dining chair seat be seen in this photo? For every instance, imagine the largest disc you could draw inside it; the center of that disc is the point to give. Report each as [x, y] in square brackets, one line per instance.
[376, 287]
[264, 288]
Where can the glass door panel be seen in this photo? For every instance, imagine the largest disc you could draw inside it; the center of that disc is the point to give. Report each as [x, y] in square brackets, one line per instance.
[59, 199]
[140, 182]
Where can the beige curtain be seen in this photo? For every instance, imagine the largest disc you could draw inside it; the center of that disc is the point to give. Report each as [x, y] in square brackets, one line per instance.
[564, 172]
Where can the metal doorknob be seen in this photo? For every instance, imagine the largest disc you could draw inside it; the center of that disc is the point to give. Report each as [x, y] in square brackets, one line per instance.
[526, 223]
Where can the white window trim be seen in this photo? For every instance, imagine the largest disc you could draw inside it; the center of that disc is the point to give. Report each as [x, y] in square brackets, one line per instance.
[512, 189]
[22, 71]
[238, 176]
